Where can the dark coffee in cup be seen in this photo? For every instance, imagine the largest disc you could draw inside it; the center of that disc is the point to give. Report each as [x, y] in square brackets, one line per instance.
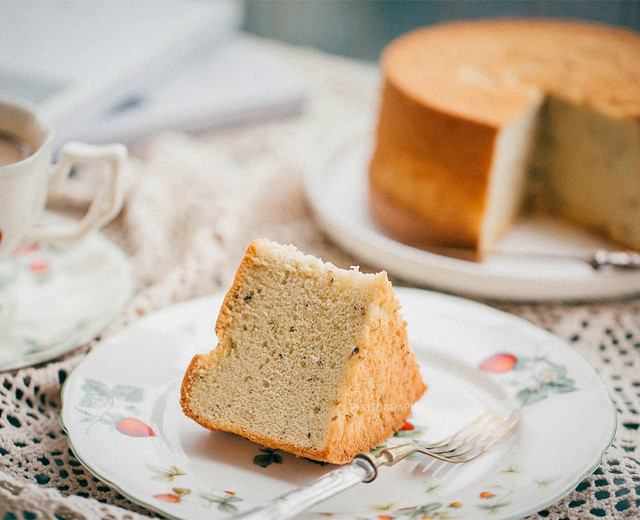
[12, 149]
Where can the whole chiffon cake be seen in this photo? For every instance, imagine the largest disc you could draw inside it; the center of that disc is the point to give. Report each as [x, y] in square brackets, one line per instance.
[481, 121]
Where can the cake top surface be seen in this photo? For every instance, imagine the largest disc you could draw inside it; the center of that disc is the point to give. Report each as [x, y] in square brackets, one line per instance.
[492, 70]
[289, 256]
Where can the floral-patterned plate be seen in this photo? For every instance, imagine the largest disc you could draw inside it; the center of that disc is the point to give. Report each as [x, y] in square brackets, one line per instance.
[124, 422]
[54, 298]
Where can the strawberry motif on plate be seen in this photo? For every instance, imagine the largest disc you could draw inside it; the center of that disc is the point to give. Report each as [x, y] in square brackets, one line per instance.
[499, 363]
[134, 428]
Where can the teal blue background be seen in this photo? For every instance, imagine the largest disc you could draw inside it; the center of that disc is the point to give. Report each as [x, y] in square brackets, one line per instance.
[361, 28]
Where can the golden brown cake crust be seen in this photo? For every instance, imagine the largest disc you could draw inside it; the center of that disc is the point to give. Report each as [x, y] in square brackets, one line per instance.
[488, 71]
[385, 381]
[450, 88]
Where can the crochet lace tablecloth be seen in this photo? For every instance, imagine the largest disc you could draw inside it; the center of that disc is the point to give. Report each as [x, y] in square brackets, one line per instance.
[193, 205]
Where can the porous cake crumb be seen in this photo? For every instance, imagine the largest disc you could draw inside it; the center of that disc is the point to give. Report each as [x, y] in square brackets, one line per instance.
[312, 359]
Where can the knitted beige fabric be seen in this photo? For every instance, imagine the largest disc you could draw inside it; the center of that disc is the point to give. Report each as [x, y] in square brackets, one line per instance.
[193, 206]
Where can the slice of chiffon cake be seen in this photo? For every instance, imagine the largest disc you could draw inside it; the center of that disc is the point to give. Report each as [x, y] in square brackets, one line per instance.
[312, 359]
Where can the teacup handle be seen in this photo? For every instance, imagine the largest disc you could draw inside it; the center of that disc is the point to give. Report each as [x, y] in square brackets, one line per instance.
[107, 202]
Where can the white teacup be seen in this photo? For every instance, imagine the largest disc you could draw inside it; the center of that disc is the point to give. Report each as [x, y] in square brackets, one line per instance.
[29, 177]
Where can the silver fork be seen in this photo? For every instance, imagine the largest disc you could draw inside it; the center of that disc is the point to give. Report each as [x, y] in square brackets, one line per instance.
[465, 445]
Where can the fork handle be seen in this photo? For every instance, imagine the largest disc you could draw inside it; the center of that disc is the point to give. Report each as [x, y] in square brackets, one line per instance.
[298, 500]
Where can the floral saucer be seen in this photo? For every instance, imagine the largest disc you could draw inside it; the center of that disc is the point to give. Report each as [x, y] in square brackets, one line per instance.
[54, 299]
[123, 419]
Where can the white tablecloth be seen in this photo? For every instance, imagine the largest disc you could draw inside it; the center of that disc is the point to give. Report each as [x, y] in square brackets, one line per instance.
[193, 205]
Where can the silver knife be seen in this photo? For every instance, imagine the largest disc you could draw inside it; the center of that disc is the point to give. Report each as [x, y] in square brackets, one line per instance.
[599, 259]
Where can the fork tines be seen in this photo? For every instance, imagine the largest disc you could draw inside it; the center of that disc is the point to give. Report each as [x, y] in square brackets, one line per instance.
[473, 440]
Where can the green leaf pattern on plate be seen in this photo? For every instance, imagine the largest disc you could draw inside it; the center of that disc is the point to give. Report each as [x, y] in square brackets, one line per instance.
[108, 405]
[535, 377]
[267, 457]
